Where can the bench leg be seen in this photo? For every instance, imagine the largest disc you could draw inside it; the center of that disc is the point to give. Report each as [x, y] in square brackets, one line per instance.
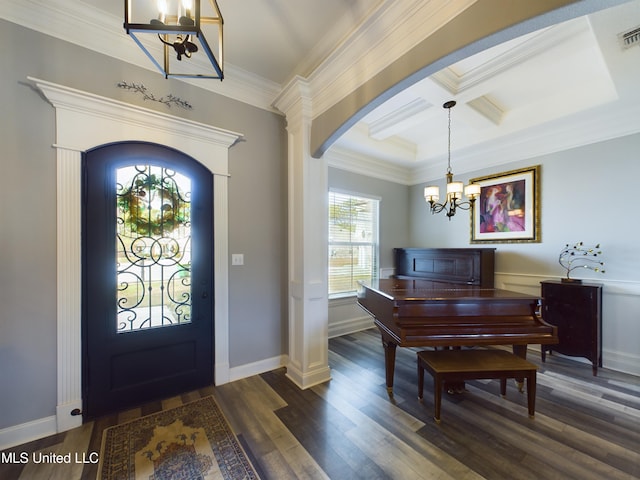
[437, 397]
[420, 380]
[503, 387]
[531, 393]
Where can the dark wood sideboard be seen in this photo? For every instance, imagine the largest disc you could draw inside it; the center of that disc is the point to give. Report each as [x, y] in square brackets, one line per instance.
[576, 309]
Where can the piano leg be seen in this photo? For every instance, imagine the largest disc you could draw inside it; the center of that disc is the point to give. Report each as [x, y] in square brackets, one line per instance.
[520, 351]
[453, 388]
[389, 363]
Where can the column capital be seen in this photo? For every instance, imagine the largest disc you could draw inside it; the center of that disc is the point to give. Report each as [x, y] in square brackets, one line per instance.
[295, 100]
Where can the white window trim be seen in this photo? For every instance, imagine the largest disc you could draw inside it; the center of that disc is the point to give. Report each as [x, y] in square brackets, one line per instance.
[376, 241]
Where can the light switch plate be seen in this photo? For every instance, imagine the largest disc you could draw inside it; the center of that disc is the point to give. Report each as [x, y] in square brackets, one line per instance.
[237, 259]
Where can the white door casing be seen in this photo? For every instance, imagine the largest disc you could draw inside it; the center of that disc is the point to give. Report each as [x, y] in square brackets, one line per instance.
[84, 121]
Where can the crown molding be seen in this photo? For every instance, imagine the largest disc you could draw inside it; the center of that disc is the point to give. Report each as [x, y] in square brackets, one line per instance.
[386, 35]
[397, 120]
[488, 109]
[96, 30]
[535, 44]
[354, 162]
[556, 136]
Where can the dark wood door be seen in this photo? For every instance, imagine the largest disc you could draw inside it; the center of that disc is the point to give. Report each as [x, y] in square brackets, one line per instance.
[147, 265]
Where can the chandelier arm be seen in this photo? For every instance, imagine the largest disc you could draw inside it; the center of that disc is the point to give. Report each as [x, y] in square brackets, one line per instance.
[437, 207]
[465, 205]
[164, 41]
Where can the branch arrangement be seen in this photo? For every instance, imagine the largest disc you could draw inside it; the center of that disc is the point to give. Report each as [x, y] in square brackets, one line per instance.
[146, 95]
[580, 256]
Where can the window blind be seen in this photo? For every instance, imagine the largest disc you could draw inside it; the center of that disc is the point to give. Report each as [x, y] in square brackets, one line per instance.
[353, 241]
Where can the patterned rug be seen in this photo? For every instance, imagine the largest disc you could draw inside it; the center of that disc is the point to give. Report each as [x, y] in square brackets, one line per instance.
[189, 442]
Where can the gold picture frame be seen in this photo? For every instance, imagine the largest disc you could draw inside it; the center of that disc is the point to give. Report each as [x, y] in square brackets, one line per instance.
[508, 208]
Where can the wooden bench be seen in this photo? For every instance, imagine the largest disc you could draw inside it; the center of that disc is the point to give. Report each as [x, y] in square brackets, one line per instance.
[461, 365]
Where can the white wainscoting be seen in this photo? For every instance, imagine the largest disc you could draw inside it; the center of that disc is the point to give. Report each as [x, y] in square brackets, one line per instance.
[345, 317]
[620, 316]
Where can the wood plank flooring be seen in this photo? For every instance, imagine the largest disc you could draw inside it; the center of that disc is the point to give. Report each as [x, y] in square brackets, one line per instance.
[585, 427]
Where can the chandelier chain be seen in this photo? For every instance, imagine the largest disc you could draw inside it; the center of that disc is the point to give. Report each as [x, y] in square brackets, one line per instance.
[449, 144]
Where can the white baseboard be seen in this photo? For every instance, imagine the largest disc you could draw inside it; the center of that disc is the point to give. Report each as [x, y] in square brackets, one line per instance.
[350, 325]
[43, 427]
[256, 368]
[27, 432]
[621, 362]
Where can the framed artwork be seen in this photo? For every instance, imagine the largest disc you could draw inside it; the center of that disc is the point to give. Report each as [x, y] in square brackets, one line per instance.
[508, 208]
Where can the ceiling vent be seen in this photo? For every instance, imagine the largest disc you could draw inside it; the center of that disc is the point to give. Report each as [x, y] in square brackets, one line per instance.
[630, 38]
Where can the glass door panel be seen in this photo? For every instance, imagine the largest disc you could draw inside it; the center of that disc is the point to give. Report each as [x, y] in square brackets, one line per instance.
[153, 248]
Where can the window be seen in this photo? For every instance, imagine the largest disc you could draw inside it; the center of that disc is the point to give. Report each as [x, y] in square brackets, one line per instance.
[353, 241]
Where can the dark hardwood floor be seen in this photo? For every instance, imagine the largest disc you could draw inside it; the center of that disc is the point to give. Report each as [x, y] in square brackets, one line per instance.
[584, 428]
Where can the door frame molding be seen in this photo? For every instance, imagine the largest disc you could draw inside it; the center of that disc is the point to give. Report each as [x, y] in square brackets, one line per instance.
[84, 121]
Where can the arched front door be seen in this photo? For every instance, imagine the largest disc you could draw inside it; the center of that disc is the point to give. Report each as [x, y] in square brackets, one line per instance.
[147, 265]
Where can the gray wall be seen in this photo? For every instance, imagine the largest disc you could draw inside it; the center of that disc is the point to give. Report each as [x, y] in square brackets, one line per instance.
[587, 194]
[257, 210]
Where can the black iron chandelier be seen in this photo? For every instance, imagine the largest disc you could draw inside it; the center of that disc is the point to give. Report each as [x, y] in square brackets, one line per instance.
[174, 32]
[454, 189]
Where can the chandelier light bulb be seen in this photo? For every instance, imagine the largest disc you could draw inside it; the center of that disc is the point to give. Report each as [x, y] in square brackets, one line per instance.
[162, 10]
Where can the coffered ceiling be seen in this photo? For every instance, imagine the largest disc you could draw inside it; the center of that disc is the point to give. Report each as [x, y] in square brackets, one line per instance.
[567, 85]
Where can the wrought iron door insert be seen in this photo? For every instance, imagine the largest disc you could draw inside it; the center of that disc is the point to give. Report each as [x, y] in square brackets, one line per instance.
[153, 248]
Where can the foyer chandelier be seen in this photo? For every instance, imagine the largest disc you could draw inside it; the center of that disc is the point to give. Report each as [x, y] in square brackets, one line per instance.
[172, 35]
[454, 189]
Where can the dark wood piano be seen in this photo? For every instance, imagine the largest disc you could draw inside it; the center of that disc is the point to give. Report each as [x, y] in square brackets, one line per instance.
[446, 298]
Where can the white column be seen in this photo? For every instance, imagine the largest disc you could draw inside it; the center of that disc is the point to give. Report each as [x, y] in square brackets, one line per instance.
[307, 217]
[221, 276]
[69, 289]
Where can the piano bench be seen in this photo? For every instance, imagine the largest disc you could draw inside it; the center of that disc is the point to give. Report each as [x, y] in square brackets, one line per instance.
[460, 365]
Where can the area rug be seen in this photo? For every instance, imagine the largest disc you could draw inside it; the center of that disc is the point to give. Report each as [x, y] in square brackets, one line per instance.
[189, 442]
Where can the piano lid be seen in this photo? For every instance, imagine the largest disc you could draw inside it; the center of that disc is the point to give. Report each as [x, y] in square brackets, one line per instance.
[431, 290]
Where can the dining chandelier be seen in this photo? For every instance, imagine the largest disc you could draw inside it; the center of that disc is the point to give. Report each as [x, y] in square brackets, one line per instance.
[454, 189]
[172, 35]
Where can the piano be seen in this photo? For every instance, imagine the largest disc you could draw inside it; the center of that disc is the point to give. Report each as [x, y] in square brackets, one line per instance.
[446, 298]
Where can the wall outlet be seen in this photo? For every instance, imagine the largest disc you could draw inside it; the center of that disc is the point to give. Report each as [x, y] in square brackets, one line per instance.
[237, 259]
